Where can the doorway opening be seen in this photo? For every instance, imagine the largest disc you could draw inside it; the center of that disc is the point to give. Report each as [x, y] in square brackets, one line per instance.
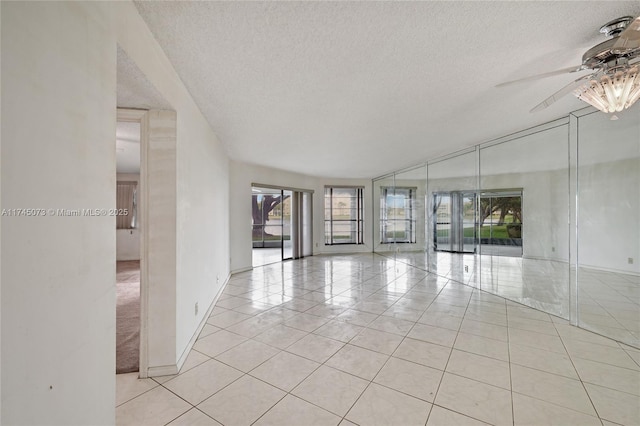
[454, 221]
[281, 224]
[128, 239]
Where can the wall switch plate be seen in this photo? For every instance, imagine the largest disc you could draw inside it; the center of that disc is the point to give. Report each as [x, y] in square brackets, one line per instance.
[466, 268]
[196, 308]
[630, 260]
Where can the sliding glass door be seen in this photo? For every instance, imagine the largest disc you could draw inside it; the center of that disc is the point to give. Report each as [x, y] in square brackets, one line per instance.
[281, 224]
[287, 240]
[501, 222]
[454, 221]
[496, 223]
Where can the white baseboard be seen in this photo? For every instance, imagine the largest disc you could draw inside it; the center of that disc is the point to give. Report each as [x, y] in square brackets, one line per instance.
[237, 271]
[162, 370]
[615, 271]
[548, 259]
[194, 338]
[342, 252]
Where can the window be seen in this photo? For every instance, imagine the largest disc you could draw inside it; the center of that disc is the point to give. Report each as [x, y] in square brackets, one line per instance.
[397, 215]
[343, 215]
[126, 203]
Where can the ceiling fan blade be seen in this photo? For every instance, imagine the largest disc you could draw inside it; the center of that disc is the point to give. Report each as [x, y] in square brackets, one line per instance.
[567, 70]
[561, 93]
[628, 39]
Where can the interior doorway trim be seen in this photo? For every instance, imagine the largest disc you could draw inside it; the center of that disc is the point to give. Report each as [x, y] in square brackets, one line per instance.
[142, 116]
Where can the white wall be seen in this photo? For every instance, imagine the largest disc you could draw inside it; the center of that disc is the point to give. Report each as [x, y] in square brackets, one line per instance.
[0, 238]
[202, 223]
[127, 244]
[242, 175]
[128, 240]
[58, 279]
[202, 181]
[58, 275]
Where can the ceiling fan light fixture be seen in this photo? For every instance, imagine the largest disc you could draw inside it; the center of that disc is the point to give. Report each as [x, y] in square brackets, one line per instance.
[612, 91]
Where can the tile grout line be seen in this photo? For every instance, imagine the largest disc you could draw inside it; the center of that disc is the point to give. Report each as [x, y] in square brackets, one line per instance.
[344, 417]
[284, 350]
[513, 410]
[578, 374]
[387, 355]
[316, 369]
[381, 291]
[234, 381]
[451, 351]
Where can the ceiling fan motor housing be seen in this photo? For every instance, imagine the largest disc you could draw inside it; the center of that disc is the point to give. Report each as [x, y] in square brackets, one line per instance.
[614, 84]
[616, 26]
[604, 53]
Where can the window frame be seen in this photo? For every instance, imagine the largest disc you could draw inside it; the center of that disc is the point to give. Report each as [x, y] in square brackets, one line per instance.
[385, 221]
[329, 238]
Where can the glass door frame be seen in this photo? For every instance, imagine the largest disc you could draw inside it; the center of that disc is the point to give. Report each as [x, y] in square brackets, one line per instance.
[286, 253]
[456, 221]
[297, 228]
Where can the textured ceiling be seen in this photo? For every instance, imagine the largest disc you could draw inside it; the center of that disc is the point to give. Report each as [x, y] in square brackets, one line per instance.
[358, 89]
[133, 88]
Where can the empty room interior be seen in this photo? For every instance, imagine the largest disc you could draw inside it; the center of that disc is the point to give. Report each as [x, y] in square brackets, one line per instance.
[310, 213]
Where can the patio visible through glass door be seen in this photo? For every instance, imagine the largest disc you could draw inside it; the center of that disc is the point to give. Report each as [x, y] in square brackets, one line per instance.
[454, 221]
[281, 224]
[267, 225]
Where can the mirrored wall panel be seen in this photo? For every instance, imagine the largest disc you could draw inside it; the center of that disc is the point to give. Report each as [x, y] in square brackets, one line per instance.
[609, 225]
[409, 215]
[548, 217]
[523, 209]
[384, 215]
[451, 219]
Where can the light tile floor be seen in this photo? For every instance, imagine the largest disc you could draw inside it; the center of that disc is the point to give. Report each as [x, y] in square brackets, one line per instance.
[365, 340]
[609, 302]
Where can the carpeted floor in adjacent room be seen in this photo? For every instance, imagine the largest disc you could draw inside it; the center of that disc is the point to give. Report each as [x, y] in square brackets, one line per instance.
[127, 316]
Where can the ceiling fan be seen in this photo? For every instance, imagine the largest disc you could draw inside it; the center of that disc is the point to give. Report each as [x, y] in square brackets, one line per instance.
[614, 84]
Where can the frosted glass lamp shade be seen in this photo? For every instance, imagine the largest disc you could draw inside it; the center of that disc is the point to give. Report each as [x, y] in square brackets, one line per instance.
[612, 91]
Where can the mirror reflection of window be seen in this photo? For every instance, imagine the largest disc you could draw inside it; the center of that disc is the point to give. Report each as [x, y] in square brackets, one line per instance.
[398, 215]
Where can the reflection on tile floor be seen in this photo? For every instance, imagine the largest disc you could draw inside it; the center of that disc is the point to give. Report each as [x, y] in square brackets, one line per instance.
[515, 278]
[609, 304]
[265, 256]
[363, 339]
